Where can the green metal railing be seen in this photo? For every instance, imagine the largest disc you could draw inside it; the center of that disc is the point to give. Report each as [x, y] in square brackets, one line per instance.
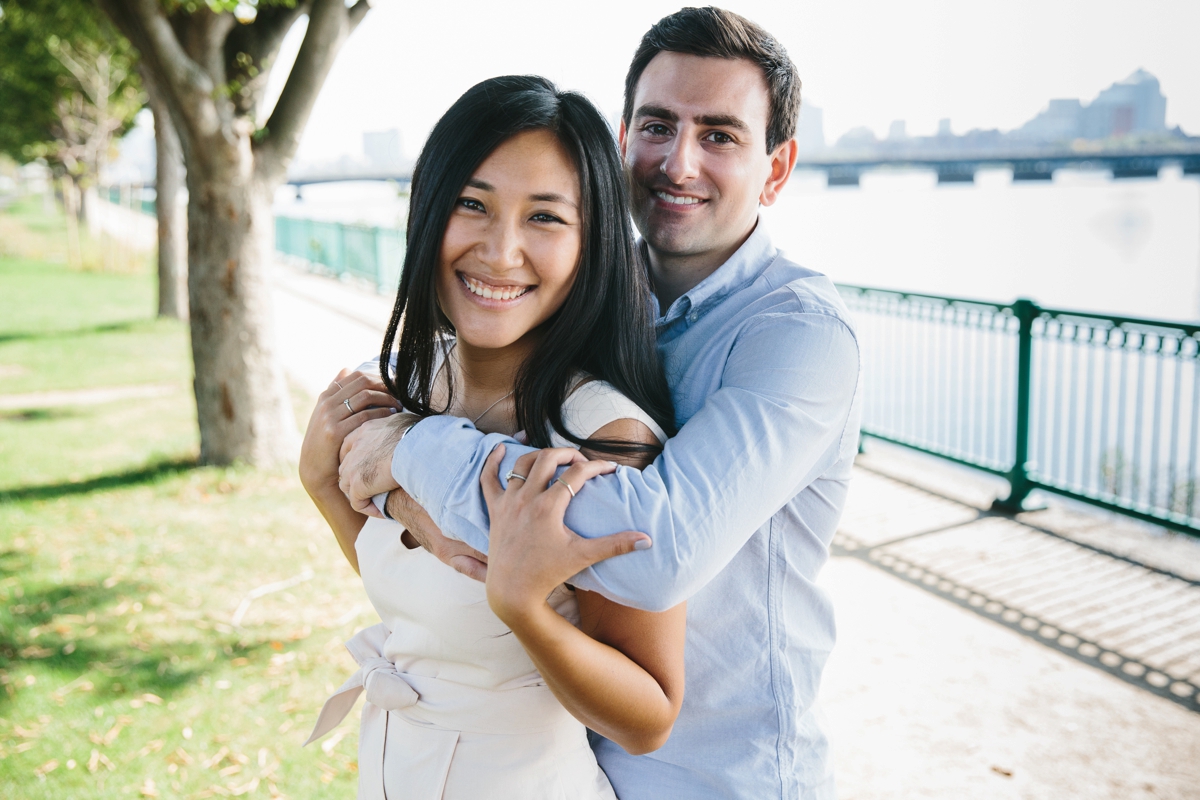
[138, 198]
[361, 251]
[1095, 407]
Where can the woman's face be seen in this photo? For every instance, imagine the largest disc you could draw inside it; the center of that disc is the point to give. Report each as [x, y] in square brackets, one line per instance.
[512, 244]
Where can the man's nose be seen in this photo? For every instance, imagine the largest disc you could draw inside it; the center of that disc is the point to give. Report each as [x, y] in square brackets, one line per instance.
[502, 246]
[682, 163]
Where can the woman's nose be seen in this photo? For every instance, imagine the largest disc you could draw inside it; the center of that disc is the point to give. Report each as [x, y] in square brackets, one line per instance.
[501, 248]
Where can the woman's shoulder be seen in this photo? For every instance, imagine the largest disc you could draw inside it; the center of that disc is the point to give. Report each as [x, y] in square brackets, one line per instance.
[594, 403]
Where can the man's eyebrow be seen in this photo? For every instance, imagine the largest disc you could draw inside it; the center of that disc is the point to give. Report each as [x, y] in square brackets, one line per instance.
[723, 121]
[553, 197]
[709, 120]
[656, 111]
[475, 183]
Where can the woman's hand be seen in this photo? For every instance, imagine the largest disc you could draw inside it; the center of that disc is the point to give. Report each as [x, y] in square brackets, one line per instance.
[351, 399]
[530, 550]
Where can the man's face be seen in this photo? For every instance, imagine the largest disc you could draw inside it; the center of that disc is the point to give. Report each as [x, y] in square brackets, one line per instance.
[696, 155]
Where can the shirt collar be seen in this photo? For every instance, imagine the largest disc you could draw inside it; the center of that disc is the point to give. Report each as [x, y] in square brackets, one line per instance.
[746, 264]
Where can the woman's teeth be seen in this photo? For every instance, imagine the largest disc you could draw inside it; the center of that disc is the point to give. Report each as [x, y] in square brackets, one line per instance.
[489, 293]
[678, 201]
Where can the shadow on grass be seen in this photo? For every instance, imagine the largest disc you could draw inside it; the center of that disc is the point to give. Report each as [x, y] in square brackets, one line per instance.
[68, 629]
[108, 327]
[39, 414]
[147, 474]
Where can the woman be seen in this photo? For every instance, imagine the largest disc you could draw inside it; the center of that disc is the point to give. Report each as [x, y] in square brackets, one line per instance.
[523, 307]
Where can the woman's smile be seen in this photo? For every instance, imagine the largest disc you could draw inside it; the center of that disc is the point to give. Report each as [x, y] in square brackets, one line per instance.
[500, 294]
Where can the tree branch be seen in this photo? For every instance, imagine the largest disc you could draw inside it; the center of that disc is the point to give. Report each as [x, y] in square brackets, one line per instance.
[329, 24]
[250, 52]
[145, 24]
[357, 12]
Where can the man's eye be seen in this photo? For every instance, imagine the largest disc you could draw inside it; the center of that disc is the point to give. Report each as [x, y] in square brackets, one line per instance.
[657, 129]
[718, 137]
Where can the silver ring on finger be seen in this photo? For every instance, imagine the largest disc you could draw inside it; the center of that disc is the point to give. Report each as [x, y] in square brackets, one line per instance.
[508, 476]
[564, 483]
[348, 406]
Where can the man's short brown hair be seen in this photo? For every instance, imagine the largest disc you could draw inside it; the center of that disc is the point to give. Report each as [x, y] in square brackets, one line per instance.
[717, 33]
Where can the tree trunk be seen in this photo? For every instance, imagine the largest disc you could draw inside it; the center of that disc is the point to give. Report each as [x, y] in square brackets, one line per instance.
[171, 209]
[212, 70]
[242, 398]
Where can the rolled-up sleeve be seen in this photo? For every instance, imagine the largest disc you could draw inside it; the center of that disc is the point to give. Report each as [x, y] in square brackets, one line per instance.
[774, 425]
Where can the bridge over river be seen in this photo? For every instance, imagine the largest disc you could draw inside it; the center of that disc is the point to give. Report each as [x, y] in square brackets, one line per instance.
[845, 169]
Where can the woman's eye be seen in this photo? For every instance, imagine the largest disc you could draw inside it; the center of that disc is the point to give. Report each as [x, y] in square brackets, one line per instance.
[545, 218]
[470, 203]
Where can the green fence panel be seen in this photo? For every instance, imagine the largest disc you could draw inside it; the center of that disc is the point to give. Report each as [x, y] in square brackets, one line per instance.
[1099, 408]
[358, 251]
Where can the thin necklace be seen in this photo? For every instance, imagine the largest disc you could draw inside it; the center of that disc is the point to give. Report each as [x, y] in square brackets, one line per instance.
[489, 408]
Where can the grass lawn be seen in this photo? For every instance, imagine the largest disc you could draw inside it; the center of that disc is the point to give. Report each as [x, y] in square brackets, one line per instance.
[122, 565]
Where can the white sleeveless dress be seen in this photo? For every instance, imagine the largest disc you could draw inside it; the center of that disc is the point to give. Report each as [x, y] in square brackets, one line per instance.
[455, 709]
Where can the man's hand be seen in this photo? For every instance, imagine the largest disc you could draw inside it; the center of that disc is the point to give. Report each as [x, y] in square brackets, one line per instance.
[366, 460]
[422, 530]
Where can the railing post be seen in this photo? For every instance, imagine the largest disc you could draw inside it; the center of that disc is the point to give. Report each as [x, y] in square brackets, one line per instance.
[1025, 311]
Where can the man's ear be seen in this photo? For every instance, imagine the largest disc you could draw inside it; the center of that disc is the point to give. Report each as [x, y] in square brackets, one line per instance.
[621, 133]
[783, 161]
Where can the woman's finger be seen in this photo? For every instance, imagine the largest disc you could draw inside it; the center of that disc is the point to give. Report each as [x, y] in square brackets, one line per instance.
[547, 463]
[592, 551]
[568, 484]
[352, 422]
[369, 398]
[489, 479]
[525, 463]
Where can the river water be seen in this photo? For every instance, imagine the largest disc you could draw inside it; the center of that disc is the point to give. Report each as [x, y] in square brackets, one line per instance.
[1082, 241]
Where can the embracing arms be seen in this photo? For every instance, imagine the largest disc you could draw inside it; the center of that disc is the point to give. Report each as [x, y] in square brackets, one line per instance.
[782, 416]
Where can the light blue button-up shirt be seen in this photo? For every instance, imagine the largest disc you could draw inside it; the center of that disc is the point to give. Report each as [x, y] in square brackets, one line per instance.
[763, 365]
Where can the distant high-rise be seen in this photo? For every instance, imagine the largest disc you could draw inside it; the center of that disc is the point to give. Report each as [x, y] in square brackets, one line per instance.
[944, 127]
[1129, 107]
[810, 130]
[1134, 105]
[897, 131]
[383, 148]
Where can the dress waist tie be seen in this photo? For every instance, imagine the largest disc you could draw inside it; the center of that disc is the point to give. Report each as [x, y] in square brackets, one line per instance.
[431, 713]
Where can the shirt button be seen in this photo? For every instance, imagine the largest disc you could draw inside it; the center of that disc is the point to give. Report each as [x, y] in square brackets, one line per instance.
[693, 317]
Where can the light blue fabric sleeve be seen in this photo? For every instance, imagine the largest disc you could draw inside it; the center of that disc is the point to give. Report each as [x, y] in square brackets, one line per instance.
[776, 423]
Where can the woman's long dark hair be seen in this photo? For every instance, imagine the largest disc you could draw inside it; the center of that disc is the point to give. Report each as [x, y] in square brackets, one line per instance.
[604, 326]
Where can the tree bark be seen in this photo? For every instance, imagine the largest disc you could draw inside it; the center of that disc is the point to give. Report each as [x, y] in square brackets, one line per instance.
[242, 399]
[170, 208]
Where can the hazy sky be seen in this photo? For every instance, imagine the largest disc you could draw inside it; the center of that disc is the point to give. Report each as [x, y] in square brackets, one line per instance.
[983, 64]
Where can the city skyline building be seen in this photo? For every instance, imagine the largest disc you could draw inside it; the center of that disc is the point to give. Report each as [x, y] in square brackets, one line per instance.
[1129, 107]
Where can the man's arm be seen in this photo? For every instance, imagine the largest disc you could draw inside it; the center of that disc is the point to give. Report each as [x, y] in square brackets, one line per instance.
[776, 423]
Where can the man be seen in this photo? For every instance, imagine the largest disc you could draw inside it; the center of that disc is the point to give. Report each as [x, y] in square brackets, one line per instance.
[763, 365]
